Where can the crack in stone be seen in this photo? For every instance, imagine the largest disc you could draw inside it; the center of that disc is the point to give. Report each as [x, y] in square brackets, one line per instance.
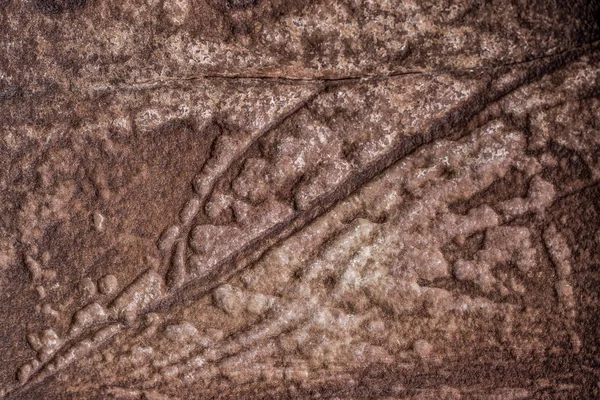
[441, 127]
[19, 91]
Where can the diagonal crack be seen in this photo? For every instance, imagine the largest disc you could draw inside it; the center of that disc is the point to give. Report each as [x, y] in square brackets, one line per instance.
[453, 121]
[442, 127]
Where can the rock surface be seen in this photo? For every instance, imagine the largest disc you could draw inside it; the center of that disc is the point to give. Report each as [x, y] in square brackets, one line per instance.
[299, 199]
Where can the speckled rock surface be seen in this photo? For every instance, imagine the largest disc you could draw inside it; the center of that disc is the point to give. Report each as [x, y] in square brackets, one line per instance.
[299, 199]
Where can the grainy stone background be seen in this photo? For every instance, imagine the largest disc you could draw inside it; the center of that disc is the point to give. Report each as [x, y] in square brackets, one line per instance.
[299, 199]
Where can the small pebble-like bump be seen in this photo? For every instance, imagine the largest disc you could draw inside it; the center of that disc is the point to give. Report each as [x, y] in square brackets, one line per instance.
[41, 291]
[229, 299]
[77, 351]
[48, 310]
[422, 348]
[106, 333]
[259, 303]
[49, 274]
[181, 332]
[35, 269]
[168, 237]
[49, 338]
[146, 289]
[564, 290]
[24, 373]
[99, 220]
[46, 258]
[34, 341]
[108, 284]
[177, 273]
[201, 185]
[91, 314]
[138, 355]
[50, 343]
[87, 286]
[189, 211]
[464, 270]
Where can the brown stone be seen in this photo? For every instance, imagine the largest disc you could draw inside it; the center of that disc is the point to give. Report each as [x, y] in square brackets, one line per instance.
[299, 199]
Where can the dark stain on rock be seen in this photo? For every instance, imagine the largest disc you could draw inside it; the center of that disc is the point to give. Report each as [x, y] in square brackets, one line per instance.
[239, 4]
[54, 7]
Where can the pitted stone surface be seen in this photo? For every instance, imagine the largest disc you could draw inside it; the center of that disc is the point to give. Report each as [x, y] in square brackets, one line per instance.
[293, 199]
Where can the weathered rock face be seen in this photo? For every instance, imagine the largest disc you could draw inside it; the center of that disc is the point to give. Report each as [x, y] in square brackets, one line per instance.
[299, 199]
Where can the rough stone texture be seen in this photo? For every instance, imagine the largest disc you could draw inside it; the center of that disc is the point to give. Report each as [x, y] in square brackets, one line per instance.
[299, 199]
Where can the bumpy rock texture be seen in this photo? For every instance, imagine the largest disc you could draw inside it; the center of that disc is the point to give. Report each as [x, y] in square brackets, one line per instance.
[299, 199]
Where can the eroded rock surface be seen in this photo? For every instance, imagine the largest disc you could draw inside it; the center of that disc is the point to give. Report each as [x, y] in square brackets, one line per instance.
[271, 199]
